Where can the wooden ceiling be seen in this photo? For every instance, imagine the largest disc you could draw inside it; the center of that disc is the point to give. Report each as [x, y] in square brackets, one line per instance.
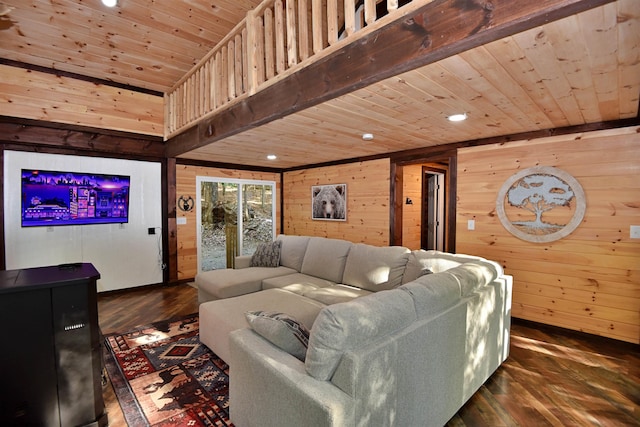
[147, 44]
[579, 70]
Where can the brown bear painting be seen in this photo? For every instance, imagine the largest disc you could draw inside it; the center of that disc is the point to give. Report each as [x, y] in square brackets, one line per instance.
[329, 202]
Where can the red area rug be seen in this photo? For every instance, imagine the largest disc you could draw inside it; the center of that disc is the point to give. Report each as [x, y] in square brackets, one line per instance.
[163, 376]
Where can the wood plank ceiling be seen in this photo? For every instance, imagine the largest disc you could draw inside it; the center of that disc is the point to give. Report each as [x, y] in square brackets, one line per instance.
[579, 70]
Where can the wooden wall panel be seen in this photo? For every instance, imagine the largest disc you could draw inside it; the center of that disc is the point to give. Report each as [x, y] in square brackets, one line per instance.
[367, 202]
[187, 233]
[588, 281]
[42, 96]
[411, 214]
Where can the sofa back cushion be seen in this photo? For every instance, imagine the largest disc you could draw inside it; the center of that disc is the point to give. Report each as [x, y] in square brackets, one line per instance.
[433, 293]
[475, 275]
[345, 326]
[422, 262]
[292, 250]
[325, 258]
[375, 268]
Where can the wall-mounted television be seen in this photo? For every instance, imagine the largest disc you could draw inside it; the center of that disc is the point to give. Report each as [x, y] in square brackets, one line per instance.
[72, 198]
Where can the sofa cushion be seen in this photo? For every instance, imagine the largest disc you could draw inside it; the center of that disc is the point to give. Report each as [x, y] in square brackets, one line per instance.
[296, 282]
[375, 268]
[293, 250]
[345, 326]
[417, 266]
[267, 255]
[423, 262]
[218, 318]
[282, 330]
[474, 275]
[325, 258]
[433, 293]
[230, 282]
[335, 294]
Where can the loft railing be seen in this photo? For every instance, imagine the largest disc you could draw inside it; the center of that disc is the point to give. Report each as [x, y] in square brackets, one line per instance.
[274, 40]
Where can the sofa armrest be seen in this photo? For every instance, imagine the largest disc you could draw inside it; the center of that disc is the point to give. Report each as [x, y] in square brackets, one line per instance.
[242, 261]
[269, 387]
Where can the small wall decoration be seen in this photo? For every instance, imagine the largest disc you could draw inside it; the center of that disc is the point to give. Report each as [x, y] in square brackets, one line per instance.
[185, 203]
[541, 204]
[329, 202]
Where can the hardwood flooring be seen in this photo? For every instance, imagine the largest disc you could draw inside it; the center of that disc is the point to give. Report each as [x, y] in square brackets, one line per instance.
[553, 377]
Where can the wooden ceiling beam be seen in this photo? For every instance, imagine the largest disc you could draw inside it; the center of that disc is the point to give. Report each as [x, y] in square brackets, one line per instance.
[25, 133]
[438, 30]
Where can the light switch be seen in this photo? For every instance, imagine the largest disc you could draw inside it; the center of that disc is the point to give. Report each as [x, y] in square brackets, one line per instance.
[634, 232]
[181, 220]
[471, 224]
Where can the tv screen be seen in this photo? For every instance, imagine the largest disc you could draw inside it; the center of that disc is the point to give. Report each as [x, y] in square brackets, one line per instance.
[72, 198]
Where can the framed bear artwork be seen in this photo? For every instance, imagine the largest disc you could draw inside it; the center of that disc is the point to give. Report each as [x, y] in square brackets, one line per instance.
[329, 202]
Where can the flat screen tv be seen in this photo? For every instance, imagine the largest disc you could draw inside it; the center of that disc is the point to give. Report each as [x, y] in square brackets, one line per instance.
[72, 198]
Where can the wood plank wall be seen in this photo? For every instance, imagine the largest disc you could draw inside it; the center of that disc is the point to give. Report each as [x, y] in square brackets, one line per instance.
[412, 214]
[367, 202]
[588, 281]
[187, 233]
[37, 95]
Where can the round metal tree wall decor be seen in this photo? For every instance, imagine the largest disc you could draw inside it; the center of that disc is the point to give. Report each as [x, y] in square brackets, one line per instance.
[541, 204]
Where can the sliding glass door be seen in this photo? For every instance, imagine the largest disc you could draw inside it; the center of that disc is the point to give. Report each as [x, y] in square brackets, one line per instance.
[234, 216]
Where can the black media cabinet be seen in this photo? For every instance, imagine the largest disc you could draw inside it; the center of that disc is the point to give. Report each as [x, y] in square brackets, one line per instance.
[51, 354]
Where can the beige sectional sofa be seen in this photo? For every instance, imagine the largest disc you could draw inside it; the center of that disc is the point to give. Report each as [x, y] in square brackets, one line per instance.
[397, 337]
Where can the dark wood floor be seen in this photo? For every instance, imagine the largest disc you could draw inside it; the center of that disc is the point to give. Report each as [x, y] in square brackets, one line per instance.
[552, 377]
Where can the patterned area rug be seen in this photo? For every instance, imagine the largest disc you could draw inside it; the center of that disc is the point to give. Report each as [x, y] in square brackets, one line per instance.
[164, 376]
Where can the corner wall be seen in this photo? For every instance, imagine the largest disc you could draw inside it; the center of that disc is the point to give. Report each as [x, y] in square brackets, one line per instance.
[589, 280]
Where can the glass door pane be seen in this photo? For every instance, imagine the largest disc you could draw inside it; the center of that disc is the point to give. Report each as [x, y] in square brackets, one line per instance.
[219, 224]
[257, 216]
[233, 216]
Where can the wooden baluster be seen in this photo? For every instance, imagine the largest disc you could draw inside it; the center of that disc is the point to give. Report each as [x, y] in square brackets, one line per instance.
[245, 60]
[370, 15]
[269, 41]
[179, 101]
[303, 28]
[259, 52]
[292, 36]
[224, 82]
[231, 72]
[238, 65]
[349, 17]
[206, 82]
[212, 83]
[188, 99]
[280, 31]
[217, 79]
[317, 25]
[332, 21]
[252, 43]
[168, 118]
[199, 97]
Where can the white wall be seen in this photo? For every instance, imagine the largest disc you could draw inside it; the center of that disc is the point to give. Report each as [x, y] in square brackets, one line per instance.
[124, 254]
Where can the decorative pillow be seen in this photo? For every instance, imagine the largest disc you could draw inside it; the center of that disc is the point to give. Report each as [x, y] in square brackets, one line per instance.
[267, 255]
[281, 330]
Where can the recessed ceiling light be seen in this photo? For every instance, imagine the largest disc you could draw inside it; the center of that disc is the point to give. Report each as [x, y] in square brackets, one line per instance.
[110, 3]
[457, 117]
[272, 156]
[367, 136]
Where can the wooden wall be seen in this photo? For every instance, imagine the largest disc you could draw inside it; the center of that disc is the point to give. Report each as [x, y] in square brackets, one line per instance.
[37, 95]
[367, 202]
[588, 281]
[412, 214]
[186, 186]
